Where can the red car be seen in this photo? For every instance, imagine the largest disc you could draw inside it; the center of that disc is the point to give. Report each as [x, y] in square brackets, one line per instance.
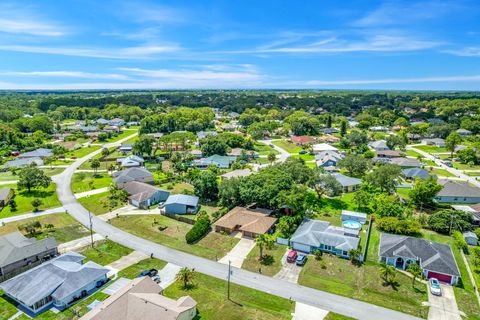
[292, 256]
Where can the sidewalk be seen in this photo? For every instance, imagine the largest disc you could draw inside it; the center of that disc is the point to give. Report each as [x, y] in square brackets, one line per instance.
[78, 244]
[31, 215]
[91, 192]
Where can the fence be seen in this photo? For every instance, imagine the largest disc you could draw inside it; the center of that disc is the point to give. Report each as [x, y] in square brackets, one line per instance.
[178, 218]
[367, 242]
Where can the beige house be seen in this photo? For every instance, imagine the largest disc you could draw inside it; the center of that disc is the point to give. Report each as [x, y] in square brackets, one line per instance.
[141, 300]
[250, 222]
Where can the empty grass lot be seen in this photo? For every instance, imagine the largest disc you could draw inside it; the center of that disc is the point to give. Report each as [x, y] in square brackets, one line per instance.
[99, 203]
[82, 152]
[65, 227]
[105, 252]
[274, 264]
[134, 270]
[245, 304]
[120, 136]
[23, 199]
[176, 188]
[464, 166]
[86, 181]
[264, 149]
[431, 149]
[364, 283]
[287, 146]
[440, 172]
[171, 233]
[411, 153]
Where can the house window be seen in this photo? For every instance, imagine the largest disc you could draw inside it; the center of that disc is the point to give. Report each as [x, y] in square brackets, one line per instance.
[329, 248]
[345, 253]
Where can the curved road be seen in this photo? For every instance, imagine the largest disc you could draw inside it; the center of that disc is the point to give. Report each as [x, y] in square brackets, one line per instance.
[346, 306]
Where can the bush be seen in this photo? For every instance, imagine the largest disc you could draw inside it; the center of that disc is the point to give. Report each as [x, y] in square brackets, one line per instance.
[399, 226]
[441, 221]
[459, 241]
[199, 229]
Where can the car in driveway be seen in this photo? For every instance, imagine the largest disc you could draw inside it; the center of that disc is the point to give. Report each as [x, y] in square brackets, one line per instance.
[303, 152]
[435, 288]
[150, 273]
[292, 256]
[301, 260]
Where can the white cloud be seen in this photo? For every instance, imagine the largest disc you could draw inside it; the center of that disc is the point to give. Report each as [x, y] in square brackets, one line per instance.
[139, 52]
[65, 74]
[472, 78]
[465, 52]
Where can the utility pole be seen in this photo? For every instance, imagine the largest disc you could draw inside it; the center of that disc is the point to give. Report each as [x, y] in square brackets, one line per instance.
[91, 230]
[228, 281]
[451, 223]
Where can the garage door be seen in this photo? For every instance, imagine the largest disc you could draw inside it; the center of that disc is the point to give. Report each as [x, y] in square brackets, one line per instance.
[440, 276]
[301, 247]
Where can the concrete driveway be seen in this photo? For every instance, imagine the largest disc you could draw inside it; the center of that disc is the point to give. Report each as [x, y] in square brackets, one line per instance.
[306, 312]
[290, 271]
[443, 307]
[239, 252]
[125, 262]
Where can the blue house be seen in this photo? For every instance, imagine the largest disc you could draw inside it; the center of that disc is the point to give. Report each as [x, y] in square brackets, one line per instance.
[181, 204]
[57, 283]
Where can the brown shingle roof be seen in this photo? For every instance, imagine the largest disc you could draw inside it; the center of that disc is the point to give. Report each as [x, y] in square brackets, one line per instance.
[248, 220]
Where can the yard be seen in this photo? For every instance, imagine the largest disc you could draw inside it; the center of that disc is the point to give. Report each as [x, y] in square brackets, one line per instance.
[23, 199]
[287, 146]
[105, 252]
[431, 149]
[440, 172]
[52, 171]
[171, 233]
[273, 265]
[244, 304]
[82, 152]
[86, 181]
[134, 270]
[336, 316]
[264, 149]
[305, 157]
[465, 166]
[65, 228]
[7, 307]
[120, 136]
[178, 187]
[412, 153]
[99, 203]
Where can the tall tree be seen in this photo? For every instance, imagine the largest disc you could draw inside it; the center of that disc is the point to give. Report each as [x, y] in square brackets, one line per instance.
[32, 177]
[452, 141]
[325, 184]
[355, 165]
[206, 186]
[186, 276]
[416, 272]
[264, 241]
[424, 191]
[387, 272]
[95, 164]
[385, 177]
[343, 127]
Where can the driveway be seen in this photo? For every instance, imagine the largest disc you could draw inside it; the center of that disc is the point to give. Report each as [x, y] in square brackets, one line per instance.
[305, 312]
[239, 252]
[116, 286]
[290, 271]
[126, 261]
[78, 244]
[443, 307]
[168, 274]
[325, 300]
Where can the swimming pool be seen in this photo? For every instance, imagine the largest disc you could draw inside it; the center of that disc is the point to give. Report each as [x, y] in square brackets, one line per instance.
[352, 224]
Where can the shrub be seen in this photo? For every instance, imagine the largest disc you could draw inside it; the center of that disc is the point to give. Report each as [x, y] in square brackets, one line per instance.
[459, 241]
[399, 226]
[442, 221]
[318, 254]
[199, 229]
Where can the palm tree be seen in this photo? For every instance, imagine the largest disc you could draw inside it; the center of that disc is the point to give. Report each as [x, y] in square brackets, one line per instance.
[355, 255]
[416, 272]
[387, 271]
[95, 164]
[185, 276]
[271, 157]
[264, 240]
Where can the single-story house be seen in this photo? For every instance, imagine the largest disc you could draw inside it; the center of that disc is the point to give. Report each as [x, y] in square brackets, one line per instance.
[302, 140]
[181, 204]
[59, 282]
[82, 128]
[435, 259]
[413, 173]
[236, 173]
[457, 192]
[474, 210]
[196, 153]
[414, 136]
[102, 121]
[17, 251]
[316, 234]
[24, 162]
[327, 161]
[464, 132]
[156, 135]
[438, 142]
[6, 194]
[237, 152]
[320, 147]
[38, 153]
[329, 130]
[221, 162]
[132, 174]
[355, 216]
[204, 134]
[349, 184]
[250, 222]
[143, 195]
[471, 238]
[378, 129]
[131, 161]
[378, 145]
[405, 162]
[389, 154]
[126, 147]
[329, 139]
[141, 299]
[116, 122]
[70, 145]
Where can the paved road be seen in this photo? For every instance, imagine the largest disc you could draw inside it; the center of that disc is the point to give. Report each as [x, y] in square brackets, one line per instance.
[280, 158]
[324, 300]
[32, 215]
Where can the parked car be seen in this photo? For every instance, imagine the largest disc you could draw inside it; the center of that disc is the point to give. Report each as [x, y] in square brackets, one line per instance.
[156, 279]
[61, 157]
[301, 260]
[271, 145]
[303, 152]
[15, 153]
[74, 157]
[151, 273]
[292, 256]
[435, 288]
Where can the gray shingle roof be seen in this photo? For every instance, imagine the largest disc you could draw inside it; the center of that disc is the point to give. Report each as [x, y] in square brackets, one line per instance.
[433, 256]
[40, 152]
[131, 174]
[405, 162]
[415, 173]
[58, 277]
[346, 181]
[182, 199]
[140, 191]
[317, 232]
[453, 188]
[5, 193]
[15, 247]
[23, 162]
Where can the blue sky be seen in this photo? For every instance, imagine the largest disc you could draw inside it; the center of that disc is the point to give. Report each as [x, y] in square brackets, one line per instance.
[73, 44]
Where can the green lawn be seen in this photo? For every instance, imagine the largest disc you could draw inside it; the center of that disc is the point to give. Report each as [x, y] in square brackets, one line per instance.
[411, 153]
[82, 152]
[288, 146]
[23, 199]
[264, 149]
[120, 136]
[245, 303]
[171, 233]
[473, 174]
[134, 270]
[475, 271]
[431, 149]
[65, 228]
[61, 162]
[334, 206]
[86, 181]
[98, 203]
[262, 160]
[403, 192]
[7, 176]
[7, 307]
[464, 166]
[440, 172]
[336, 316]
[274, 264]
[429, 162]
[179, 187]
[305, 157]
[52, 171]
[105, 252]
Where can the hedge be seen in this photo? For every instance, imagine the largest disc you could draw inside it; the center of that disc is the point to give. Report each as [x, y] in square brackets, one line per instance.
[199, 229]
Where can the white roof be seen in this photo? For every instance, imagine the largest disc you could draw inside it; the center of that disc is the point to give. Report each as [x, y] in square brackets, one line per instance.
[323, 147]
